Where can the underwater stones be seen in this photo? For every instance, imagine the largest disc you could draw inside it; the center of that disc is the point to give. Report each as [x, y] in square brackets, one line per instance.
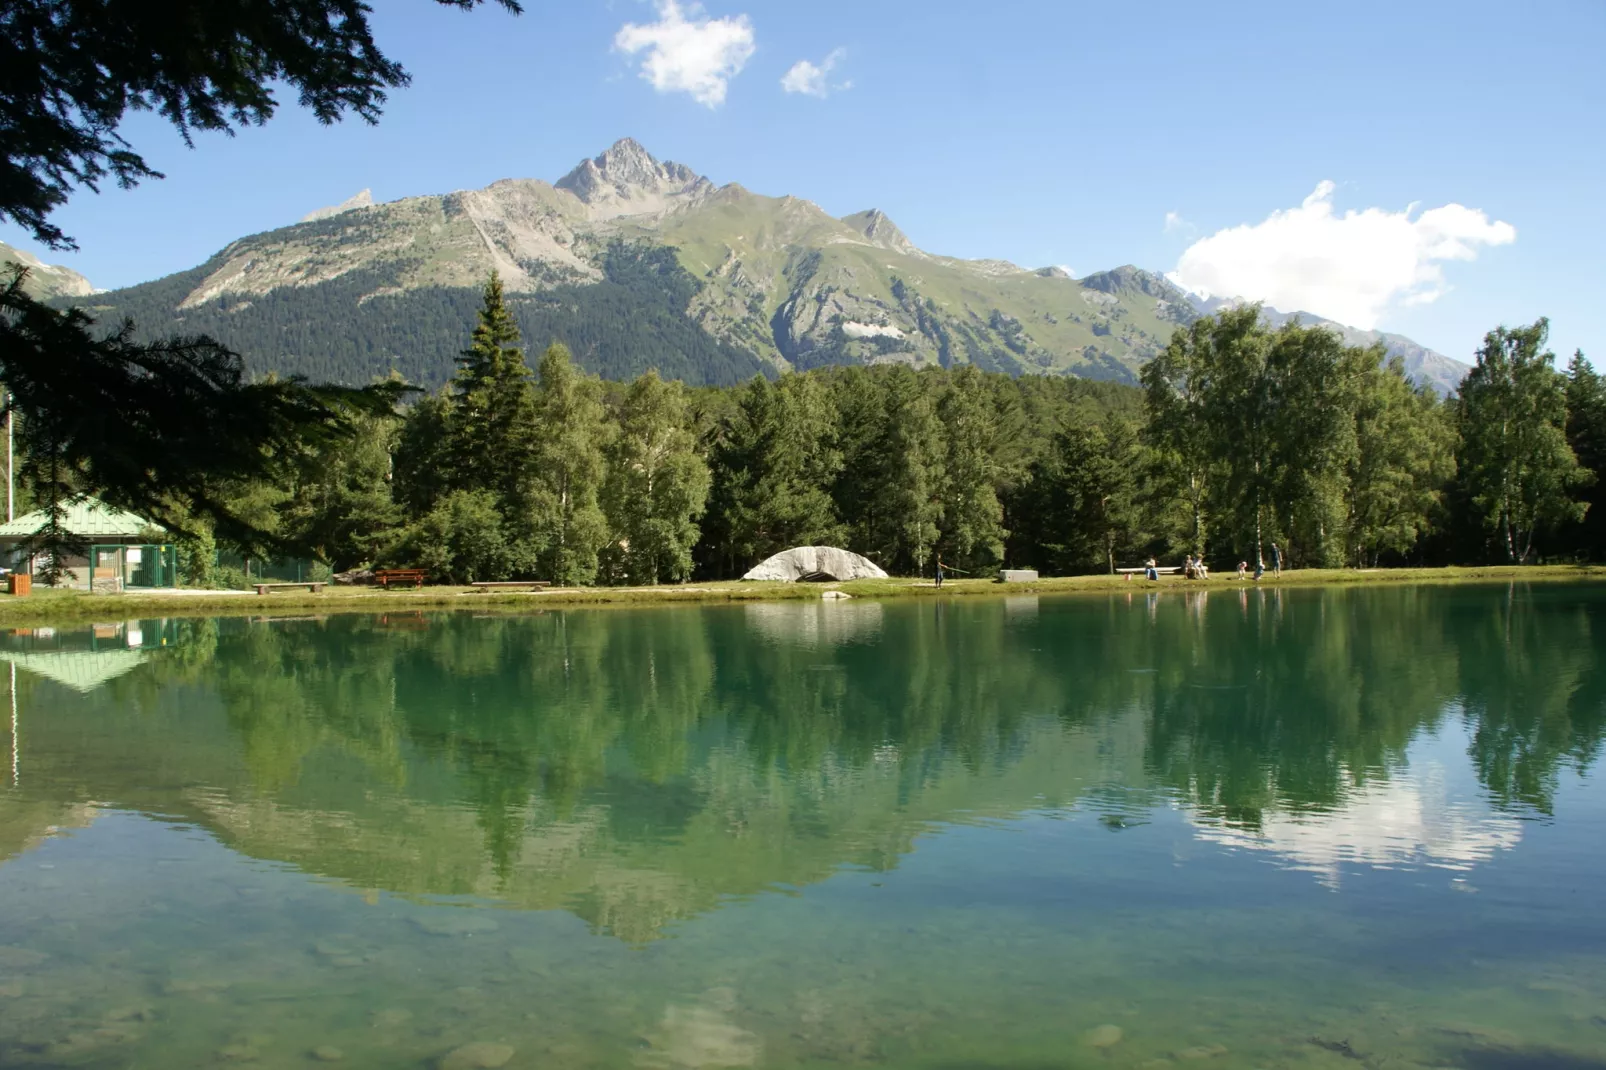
[1104, 1036]
[1202, 1051]
[478, 1055]
[392, 1018]
[328, 1053]
[11, 990]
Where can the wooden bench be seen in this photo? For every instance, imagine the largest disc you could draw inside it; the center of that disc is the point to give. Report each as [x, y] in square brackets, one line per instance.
[387, 576]
[264, 588]
[492, 585]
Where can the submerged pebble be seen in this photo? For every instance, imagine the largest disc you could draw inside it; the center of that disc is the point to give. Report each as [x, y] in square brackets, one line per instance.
[1104, 1036]
[1202, 1051]
[328, 1053]
[479, 1055]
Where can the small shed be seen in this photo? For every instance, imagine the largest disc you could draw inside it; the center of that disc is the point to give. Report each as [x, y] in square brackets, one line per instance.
[123, 549]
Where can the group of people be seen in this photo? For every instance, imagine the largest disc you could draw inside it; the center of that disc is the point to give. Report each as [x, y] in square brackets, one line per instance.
[1194, 568]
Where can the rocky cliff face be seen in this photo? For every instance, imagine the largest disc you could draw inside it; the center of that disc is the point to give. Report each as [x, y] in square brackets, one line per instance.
[627, 181]
[45, 280]
[775, 278]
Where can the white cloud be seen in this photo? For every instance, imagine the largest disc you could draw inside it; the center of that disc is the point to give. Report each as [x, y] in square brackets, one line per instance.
[814, 80]
[1350, 268]
[1174, 222]
[1404, 825]
[688, 52]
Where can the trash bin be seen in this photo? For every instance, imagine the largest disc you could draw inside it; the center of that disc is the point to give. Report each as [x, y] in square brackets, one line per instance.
[19, 583]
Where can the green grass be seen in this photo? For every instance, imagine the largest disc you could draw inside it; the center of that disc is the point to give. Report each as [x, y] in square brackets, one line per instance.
[45, 606]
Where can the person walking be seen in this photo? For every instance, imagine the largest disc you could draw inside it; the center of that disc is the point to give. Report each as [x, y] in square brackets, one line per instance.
[1276, 560]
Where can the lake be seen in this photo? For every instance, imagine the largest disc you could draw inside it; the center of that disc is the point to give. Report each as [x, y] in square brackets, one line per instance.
[1251, 828]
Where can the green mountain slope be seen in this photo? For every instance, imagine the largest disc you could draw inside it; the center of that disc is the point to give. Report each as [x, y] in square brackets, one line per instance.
[636, 263]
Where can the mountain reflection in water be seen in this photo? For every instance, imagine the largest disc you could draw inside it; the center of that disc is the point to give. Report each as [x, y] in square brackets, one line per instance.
[1249, 828]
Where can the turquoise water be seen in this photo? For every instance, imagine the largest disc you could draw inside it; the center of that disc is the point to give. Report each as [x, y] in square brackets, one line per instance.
[1258, 829]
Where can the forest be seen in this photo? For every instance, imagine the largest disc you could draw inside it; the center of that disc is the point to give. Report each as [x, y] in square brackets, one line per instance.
[1240, 436]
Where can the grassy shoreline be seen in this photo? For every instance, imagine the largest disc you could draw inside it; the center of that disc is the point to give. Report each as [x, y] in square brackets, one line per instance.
[48, 607]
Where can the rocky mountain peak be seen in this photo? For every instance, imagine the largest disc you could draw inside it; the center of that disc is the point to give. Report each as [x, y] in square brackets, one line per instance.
[629, 180]
[362, 199]
[879, 228]
[1129, 279]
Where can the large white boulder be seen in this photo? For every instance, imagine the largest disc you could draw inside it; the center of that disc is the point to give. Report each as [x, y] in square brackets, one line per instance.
[815, 563]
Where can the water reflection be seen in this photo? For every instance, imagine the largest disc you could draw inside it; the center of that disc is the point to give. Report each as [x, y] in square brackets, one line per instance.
[847, 832]
[638, 767]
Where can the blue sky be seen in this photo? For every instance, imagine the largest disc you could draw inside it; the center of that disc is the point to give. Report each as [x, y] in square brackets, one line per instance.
[1087, 135]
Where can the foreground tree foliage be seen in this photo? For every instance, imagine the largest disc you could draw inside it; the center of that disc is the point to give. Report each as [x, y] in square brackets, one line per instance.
[169, 427]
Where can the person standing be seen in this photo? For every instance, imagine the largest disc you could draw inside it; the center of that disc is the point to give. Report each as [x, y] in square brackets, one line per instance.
[1276, 560]
[939, 570]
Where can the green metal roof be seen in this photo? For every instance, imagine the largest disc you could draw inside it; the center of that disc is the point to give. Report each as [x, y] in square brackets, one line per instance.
[86, 517]
[81, 670]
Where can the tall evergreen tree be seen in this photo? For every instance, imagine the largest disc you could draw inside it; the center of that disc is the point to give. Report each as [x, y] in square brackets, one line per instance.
[972, 523]
[565, 520]
[1081, 508]
[773, 460]
[1586, 434]
[1516, 463]
[657, 483]
[342, 508]
[909, 469]
[492, 436]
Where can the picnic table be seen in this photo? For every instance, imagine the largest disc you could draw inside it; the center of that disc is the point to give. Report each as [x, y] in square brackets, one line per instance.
[401, 576]
[263, 588]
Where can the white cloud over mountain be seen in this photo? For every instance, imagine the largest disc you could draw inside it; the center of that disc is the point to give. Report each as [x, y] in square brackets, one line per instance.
[1351, 268]
[686, 51]
[814, 79]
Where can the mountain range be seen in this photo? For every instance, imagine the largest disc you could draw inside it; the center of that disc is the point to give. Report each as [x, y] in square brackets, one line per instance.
[638, 263]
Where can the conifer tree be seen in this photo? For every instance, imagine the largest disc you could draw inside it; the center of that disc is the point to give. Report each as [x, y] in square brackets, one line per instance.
[1586, 434]
[657, 483]
[774, 459]
[564, 518]
[491, 433]
[909, 468]
[972, 519]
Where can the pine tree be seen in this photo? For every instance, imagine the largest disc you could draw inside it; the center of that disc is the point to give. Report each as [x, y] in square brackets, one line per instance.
[773, 460]
[491, 433]
[564, 520]
[972, 524]
[1586, 434]
[909, 469]
[657, 483]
